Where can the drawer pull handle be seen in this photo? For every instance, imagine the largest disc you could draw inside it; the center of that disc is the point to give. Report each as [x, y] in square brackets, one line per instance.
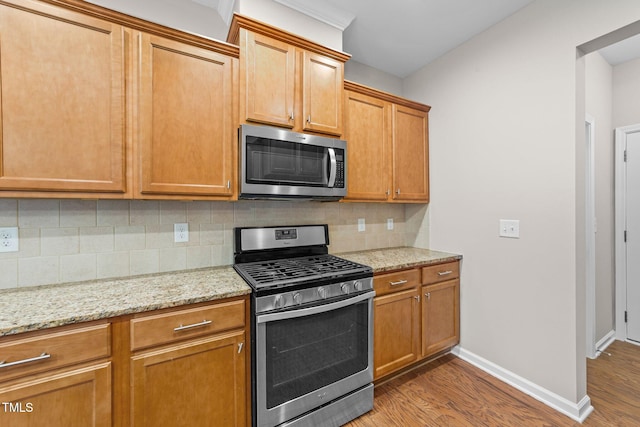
[43, 356]
[194, 325]
[444, 273]
[399, 282]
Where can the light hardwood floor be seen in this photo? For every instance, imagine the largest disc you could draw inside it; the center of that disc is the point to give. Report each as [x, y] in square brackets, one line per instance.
[451, 392]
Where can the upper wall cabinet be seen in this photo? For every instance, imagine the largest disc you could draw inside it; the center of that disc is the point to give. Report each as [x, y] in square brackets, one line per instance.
[62, 102]
[287, 81]
[186, 128]
[388, 156]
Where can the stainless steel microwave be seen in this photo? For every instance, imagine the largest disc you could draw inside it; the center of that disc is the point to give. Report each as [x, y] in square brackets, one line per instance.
[279, 164]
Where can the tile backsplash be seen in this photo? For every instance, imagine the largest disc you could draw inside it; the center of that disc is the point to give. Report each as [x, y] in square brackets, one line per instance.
[74, 240]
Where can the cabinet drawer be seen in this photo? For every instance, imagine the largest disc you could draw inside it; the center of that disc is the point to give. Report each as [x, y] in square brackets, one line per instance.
[54, 350]
[440, 272]
[178, 325]
[398, 281]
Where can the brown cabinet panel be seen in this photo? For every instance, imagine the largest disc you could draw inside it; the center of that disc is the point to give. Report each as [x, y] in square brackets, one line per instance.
[58, 349]
[392, 282]
[410, 154]
[62, 101]
[368, 134]
[322, 94]
[77, 398]
[161, 328]
[198, 383]
[268, 80]
[186, 129]
[440, 316]
[396, 327]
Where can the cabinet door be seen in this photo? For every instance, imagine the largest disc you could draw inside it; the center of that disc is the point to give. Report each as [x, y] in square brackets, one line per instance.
[62, 101]
[396, 331]
[368, 132]
[410, 155]
[77, 398]
[268, 80]
[186, 121]
[322, 95]
[440, 316]
[199, 383]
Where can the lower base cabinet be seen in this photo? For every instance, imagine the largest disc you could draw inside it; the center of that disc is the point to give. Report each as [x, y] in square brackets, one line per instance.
[416, 315]
[75, 398]
[199, 383]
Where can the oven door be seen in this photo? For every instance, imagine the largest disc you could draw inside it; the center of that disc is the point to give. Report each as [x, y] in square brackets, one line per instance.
[308, 357]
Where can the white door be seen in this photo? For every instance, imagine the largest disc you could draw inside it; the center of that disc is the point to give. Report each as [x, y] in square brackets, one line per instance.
[632, 214]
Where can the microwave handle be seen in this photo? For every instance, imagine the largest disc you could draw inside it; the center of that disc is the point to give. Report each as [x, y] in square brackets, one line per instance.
[333, 166]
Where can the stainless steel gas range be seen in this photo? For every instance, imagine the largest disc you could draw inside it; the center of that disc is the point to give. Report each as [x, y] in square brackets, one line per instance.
[311, 335]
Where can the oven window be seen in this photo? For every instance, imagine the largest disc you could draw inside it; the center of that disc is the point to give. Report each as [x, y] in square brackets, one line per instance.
[270, 161]
[306, 353]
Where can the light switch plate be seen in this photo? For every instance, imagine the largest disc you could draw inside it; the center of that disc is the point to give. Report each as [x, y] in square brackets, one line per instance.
[510, 228]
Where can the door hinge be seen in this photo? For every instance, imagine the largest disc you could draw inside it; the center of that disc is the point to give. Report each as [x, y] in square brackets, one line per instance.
[625, 316]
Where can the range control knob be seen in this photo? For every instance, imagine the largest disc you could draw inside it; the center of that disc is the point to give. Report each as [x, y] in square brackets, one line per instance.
[297, 298]
[357, 285]
[322, 292]
[345, 288]
[278, 301]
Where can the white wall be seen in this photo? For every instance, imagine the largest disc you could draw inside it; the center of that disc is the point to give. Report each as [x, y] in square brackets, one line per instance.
[504, 134]
[186, 16]
[626, 94]
[372, 77]
[599, 105]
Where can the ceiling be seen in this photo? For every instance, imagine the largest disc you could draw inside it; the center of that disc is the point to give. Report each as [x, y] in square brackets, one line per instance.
[402, 36]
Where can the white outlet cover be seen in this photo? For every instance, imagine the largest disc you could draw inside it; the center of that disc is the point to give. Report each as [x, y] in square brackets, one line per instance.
[181, 232]
[510, 228]
[389, 223]
[361, 224]
[9, 241]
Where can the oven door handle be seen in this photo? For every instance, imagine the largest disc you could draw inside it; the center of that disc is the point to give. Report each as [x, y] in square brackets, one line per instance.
[291, 314]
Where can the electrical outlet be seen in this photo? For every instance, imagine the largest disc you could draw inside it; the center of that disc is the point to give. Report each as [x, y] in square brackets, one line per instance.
[9, 239]
[389, 223]
[361, 225]
[181, 232]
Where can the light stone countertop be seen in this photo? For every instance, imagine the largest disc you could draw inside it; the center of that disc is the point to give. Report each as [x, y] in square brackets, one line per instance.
[382, 260]
[31, 309]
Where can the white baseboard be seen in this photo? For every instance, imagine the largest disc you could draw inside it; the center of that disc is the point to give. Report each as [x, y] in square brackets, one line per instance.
[605, 342]
[577, 411]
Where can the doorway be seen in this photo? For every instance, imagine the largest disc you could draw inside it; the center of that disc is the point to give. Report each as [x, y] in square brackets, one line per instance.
[627, 231]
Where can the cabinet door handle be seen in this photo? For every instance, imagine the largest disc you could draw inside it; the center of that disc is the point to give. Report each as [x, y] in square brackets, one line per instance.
[290, 116]
[240, 345]
[444, 273]
[417, 297]
[399, 282]
[428, 295]
[398, 191]
[193, 325]
[309, 118]
[388, 192]
[43, 356]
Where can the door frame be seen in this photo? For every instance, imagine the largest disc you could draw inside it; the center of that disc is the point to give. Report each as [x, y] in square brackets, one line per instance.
[620, 225]
[590, 238]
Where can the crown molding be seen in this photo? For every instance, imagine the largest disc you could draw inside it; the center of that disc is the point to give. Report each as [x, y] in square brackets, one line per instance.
[331, 15]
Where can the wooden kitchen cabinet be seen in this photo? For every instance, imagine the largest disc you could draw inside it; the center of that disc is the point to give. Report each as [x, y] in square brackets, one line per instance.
[416, 315]
[396, 321]
[287, 81]
[388, 156]
[186, 143]
[192, 369]
[62, 103]
[440, 307]
[67, 383]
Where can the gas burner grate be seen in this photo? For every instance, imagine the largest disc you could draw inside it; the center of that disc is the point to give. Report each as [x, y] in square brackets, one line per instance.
[292, 270]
